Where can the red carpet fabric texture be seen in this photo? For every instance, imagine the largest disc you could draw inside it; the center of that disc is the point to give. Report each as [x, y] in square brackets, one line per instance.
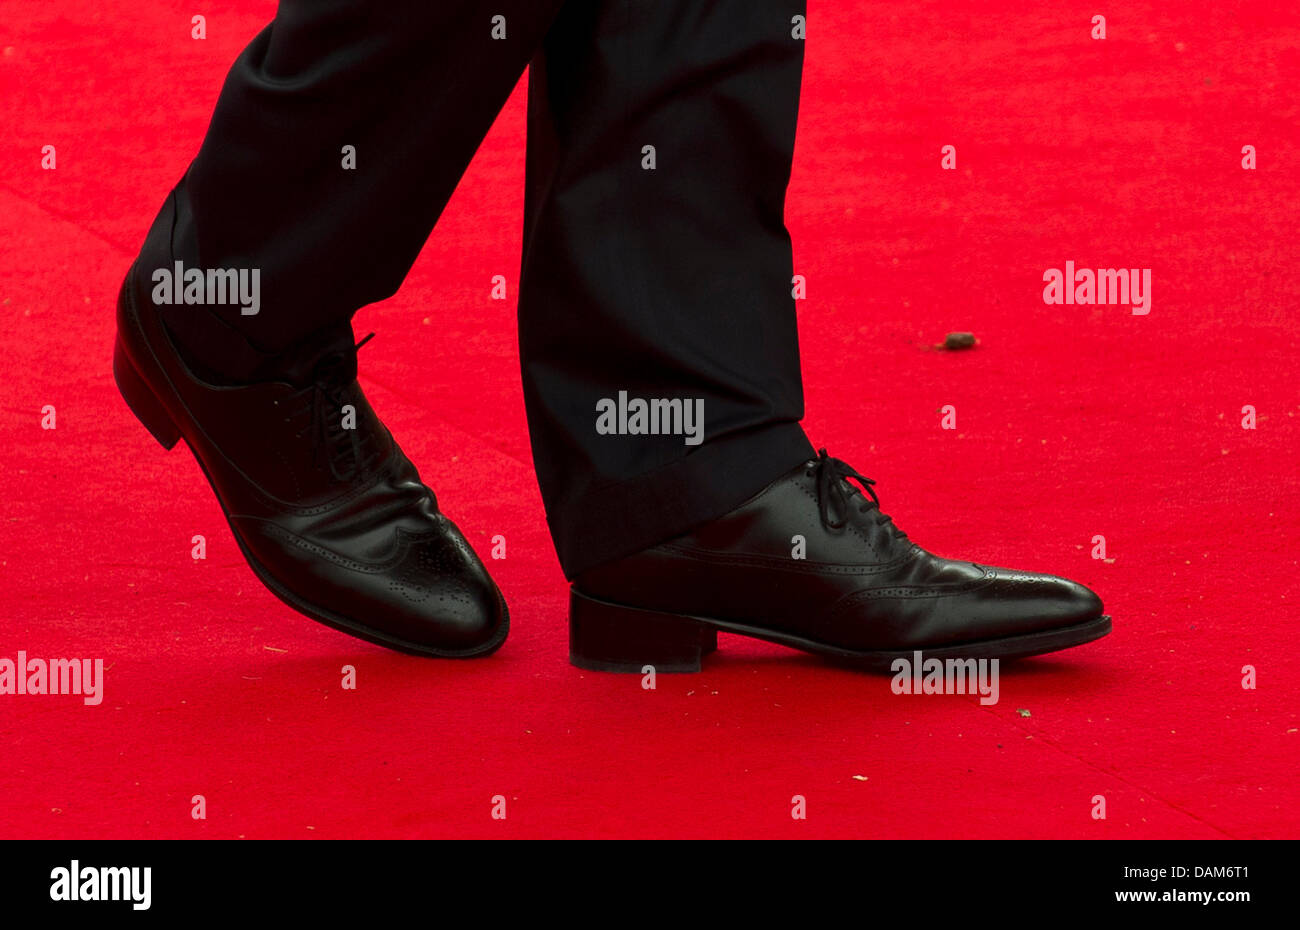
[950, 157]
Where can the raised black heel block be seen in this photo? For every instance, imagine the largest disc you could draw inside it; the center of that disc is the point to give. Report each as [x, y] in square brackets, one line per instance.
[138, 396]
[606, 637]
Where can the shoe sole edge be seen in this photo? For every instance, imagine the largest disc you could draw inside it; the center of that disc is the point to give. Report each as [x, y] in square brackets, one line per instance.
[609, 637]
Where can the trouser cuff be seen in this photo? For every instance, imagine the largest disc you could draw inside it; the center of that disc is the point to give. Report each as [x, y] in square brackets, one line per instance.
[618, 520]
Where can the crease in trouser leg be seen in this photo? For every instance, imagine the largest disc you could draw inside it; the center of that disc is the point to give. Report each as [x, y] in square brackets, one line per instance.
[670, 282]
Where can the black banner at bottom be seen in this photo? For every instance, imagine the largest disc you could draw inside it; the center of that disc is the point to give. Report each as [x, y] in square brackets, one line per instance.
[302, 879]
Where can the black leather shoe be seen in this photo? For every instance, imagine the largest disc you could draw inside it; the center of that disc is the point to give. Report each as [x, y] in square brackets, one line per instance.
[335, 521]
[811, 562]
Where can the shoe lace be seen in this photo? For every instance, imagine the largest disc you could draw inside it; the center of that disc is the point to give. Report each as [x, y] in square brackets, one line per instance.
[346, 452]
[833, 476]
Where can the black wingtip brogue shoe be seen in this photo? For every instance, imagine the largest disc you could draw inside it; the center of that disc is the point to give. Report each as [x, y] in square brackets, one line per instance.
[334, 520]
[811, 562]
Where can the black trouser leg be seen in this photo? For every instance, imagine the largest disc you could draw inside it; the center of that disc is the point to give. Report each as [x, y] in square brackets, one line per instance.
[671, 283]
[412, 85]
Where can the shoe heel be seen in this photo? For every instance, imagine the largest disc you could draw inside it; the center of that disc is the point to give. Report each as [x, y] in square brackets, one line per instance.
[138, 396]
[606, 637]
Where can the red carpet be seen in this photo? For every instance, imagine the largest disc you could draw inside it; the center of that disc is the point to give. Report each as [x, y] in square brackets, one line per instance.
[1072, 421]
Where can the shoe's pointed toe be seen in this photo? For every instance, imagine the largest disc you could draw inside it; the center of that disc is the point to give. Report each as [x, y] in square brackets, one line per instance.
[1016, 602]
[1079, 603]
[446, 599]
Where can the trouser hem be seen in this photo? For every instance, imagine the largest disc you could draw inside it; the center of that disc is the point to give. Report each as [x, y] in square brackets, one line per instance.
[620, 519]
